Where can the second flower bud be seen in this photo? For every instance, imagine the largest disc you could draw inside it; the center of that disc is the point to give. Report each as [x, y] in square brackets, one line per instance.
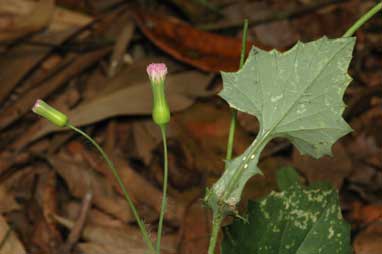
[157, 74]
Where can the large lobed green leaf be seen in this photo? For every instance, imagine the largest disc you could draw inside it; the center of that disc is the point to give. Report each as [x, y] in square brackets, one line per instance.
[296, 95]
[295, 221]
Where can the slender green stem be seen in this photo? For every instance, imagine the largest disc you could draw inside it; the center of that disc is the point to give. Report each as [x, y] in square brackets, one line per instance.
[141, 225]
[218, 215]
[362, 20]
[216, 222]
[244, 43]
[231, 134]
[164, 195]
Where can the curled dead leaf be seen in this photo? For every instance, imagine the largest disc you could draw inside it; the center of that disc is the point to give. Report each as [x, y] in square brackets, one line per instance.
[12, 244]
[328, 169]
[81, 180]
[15, 26]
[205, 51]
[369, 241]
[7, 201]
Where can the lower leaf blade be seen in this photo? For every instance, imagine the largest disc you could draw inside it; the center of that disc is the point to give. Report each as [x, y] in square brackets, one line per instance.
[295, 221]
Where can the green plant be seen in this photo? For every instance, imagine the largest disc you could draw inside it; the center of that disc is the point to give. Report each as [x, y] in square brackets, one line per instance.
[295, 95]
[60, 119]
[160, 115]
[295, 220]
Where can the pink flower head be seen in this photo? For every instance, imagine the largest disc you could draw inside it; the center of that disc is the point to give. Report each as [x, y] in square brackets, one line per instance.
[156, 71]
[48, 112]
[37, 105]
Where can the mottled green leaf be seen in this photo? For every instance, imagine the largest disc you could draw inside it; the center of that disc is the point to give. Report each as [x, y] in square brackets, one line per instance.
[286, 177]
[295, 221]
[296, 95]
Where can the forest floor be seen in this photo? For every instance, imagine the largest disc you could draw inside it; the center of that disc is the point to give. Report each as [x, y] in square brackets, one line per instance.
[89, 58]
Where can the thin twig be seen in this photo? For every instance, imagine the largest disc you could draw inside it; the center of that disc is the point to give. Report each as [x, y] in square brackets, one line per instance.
[75, 232]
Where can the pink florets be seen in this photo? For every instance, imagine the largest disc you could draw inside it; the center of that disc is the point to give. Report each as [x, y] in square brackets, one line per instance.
[156, 71]
[36, 105]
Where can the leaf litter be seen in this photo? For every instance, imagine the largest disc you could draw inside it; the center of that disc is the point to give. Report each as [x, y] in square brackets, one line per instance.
[67, 60]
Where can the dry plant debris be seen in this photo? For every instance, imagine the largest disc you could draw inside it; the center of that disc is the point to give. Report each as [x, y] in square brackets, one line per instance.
[88, 58]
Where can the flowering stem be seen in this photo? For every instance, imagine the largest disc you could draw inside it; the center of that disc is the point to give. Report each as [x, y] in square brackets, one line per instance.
[363, 19]
[218, 215]
[164, 195]
[217, 219]
[231, 134]
[141, 225]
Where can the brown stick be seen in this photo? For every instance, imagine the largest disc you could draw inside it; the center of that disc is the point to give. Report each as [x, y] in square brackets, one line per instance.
[25, 103]
[76, 231]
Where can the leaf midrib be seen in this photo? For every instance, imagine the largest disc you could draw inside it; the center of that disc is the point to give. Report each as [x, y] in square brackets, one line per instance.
[306, 88]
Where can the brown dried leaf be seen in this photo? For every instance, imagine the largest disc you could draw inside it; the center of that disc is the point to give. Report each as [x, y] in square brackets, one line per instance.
[369, 241]
[365, 214]
[95, 216]
[8, 159]
[125, 238]
[11, 113]
[43, 237]
[17, 62]
[139, 188]
[45, 233]
[118, 240]
[13, 27]
[146, 138]
[203, 130]
[12, 244]
[279, 34]
[7, 201]
[195, 230]
[328, 169]
[81, 179]
[62, 19]
[22, 182]
[47, 198]
[206, 51]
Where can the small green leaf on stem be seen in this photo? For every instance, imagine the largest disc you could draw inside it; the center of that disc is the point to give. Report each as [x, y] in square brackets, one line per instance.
[286, 177]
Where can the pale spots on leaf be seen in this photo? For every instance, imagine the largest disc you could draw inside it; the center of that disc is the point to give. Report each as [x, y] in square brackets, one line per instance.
[276, 98]
[331, 232]
[309, 223]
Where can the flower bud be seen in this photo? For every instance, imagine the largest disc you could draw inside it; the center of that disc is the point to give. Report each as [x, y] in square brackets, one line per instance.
[51, 114]
[157, 74]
